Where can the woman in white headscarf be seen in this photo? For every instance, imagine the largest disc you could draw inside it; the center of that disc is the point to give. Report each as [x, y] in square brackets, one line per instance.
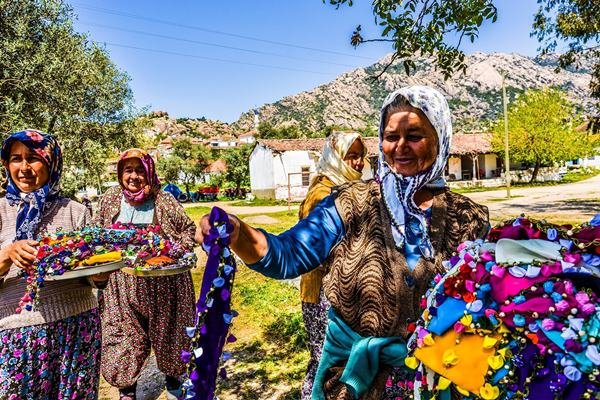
[381, 242]
[342, 160]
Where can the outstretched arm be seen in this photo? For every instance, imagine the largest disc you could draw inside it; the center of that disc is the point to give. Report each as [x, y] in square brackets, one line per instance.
[298, 250]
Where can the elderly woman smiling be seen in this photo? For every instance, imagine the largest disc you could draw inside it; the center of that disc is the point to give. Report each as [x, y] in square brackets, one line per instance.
[53, 351]
[380, 242]
[144, 313]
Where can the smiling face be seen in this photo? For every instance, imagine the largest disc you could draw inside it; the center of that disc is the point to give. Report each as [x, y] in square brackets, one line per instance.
[27, 169]
[409, 143]
[133, 176]
[355, 156]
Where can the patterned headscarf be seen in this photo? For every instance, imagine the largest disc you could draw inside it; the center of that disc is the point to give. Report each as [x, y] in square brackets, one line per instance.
[30, 214]
[153, 183]
[332, 164]
[399, 191]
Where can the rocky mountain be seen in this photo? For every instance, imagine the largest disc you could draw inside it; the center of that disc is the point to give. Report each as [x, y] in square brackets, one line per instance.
[164, 125]
[353, 99]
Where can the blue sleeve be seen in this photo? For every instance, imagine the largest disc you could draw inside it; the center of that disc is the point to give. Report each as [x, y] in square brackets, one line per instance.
[304, 246]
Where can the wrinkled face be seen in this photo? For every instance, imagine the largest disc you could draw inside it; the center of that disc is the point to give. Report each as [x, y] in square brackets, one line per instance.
[409, 143]
[27, 168]
[354, 157]
[134, 175]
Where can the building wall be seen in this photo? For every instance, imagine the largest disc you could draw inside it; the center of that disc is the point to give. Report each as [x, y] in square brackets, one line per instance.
[593, 161]
[261, 169]
[487, 162]
[269, 172]
[291, 163]
[454, 167]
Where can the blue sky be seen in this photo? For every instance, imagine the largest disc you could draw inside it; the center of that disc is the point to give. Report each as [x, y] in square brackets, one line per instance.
[218, 59]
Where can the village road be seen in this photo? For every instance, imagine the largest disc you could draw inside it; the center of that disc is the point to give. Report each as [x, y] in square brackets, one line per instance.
[241, 210]
[568, 202]
[573, 201]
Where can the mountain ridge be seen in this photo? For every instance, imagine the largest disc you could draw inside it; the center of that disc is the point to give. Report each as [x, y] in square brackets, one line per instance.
[352, 99]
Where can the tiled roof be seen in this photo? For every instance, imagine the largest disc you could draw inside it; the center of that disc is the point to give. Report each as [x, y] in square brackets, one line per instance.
[462, 143]
[218, 166]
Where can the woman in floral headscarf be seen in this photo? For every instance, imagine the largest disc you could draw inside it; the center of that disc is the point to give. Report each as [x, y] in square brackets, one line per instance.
[342, 161]
[52, 352]
[380, 242]
[144, 313]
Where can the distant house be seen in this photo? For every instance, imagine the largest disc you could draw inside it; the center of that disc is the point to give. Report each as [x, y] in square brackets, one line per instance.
[282, 168]
[165, 147]
[592, 161]
[215, 168]
[223, 142]
[247, 138]
[471, 158]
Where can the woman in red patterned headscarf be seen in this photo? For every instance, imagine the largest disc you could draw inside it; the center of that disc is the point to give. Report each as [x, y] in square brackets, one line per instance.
[141, 314]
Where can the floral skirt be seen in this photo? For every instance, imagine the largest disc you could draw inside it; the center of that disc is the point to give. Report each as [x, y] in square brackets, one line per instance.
[315, 322]
[58, 360]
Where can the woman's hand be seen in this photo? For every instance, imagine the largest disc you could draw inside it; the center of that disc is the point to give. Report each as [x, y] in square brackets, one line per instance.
[21, 253]
[248, 243]
[203, 229]
[100, 280]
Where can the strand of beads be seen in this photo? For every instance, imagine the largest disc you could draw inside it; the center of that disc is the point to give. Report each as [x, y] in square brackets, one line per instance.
[213, 313]
[64, 251]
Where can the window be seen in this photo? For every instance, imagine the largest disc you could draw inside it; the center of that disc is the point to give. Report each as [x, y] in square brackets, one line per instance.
[305, 176]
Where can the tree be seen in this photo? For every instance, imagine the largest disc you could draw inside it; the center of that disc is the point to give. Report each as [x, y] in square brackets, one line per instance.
[437, 28]
[426, 27]
[56, 80]
[186, 163]
[238, 168]
[541, 131]
[576, 22]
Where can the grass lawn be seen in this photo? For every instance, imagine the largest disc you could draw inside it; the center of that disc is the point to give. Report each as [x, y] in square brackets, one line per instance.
[269, 359]
[571, 176]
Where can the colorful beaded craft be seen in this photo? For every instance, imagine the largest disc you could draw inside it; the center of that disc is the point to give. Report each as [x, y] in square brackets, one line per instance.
[213, 313]
[64, 251]
[516, 317]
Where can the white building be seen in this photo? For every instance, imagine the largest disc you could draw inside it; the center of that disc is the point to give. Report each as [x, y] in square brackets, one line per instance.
[247, 138]
[282, 168]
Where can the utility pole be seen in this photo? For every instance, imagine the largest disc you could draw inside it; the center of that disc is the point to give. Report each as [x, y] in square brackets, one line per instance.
[506, 157]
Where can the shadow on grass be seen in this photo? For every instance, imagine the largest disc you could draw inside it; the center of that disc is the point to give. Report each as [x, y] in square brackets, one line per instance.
[260, 370]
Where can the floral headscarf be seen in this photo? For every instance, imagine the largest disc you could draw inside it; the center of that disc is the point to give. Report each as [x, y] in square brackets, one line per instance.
[153, 183]
[30, 214]
[399, 191]
[332, 164]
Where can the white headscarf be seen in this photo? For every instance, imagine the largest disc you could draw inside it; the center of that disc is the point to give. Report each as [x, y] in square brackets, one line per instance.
[398, 191]
[332, 164]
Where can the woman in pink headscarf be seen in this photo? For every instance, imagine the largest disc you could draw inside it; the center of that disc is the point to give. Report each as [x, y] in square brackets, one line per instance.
[144, 313]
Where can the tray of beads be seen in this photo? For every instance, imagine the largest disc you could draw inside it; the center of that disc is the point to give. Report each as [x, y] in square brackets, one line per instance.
[162, 266]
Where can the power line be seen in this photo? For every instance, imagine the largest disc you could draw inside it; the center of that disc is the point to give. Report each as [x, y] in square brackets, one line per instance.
[198, 28]
[213, 44]
[174, 53]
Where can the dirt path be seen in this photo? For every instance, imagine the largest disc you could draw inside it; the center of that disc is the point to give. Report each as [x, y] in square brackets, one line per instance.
[242, 210]
[580, 199]
[574, 201]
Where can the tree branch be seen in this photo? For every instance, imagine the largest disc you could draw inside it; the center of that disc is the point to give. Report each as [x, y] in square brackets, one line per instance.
[377, 40]
[376, 77]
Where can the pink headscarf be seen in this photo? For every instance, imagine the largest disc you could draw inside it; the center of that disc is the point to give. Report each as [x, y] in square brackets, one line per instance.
[153, 183]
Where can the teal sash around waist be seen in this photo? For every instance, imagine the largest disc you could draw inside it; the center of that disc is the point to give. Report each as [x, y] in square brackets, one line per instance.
[363, 356]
